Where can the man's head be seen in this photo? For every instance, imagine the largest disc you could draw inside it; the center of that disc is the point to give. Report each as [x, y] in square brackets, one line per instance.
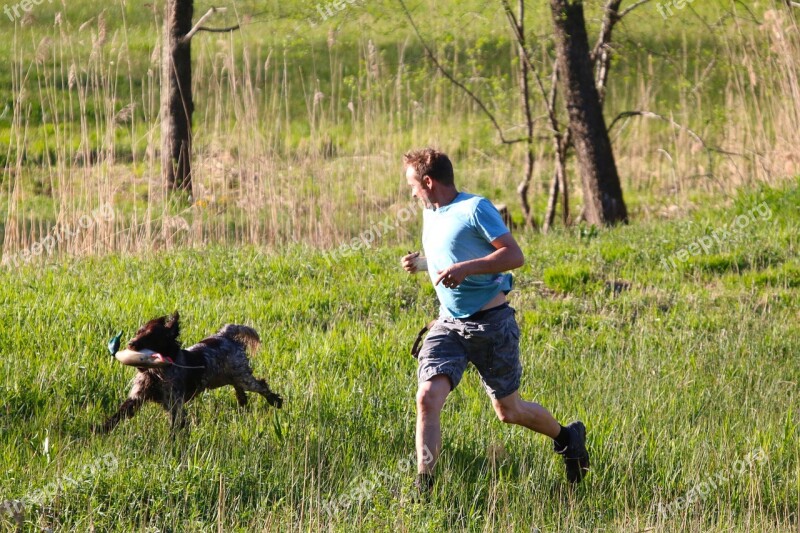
[430, 162]
[429, 173]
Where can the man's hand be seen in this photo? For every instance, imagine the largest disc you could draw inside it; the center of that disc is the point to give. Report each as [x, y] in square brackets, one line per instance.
[507, 256]
[413, 263]
[452, 276]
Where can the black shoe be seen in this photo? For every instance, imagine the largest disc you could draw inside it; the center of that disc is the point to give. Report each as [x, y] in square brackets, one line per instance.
[576, 458]
[423, 486]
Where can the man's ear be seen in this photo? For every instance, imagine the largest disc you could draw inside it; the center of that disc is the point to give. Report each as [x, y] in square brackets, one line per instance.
[427, 181]
[174, 324]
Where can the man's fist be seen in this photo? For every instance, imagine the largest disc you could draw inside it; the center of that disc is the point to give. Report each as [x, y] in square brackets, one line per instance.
[413, 263]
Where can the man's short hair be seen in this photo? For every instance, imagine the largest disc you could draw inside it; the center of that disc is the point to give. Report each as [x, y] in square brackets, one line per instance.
[430, 162]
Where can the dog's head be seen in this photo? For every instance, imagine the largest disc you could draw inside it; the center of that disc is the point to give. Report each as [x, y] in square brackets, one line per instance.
[159, 335]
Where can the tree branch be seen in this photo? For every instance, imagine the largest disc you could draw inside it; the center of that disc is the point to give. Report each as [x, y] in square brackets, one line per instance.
[695, 136]
[219, 30]
[631, 8]
[610, 18]
[454, 81]
[512, 19]
[199, 25]
[601, 53]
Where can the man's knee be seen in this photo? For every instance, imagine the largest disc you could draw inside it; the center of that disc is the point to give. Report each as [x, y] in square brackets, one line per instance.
[506, 415]
[507, 410]
[432, 394]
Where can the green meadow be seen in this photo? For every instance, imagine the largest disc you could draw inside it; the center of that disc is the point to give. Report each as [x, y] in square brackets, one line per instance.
[328, 105]
[674, 338]
[685, 377]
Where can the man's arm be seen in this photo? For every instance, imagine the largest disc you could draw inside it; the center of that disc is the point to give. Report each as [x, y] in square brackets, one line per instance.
[507, 256]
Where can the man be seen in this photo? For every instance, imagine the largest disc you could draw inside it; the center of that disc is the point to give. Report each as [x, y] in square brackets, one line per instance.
[467, 250]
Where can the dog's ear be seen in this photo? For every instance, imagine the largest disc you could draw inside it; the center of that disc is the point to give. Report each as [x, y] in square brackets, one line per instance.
[173, 324]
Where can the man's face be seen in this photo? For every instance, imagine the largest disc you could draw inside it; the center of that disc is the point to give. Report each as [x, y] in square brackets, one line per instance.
[418, 188]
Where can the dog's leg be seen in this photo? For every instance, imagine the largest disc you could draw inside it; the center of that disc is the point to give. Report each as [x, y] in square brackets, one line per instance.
[177, 414]
[173, 403]
[241, 397]
[126, 410]
[249, 383]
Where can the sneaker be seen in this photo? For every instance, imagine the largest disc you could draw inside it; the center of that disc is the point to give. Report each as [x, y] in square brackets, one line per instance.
[576, 458]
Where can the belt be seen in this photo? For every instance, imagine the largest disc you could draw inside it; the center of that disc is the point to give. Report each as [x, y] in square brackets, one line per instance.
[483, 313]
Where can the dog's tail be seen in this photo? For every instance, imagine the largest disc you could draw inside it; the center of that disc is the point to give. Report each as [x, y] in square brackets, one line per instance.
[244, 335]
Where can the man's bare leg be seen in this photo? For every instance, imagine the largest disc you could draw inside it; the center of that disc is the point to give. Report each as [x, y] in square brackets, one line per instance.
[569, 442]
[514, 410]
[431, 396]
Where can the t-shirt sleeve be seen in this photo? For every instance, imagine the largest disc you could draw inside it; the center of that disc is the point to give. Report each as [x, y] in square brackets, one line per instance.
[487, 221]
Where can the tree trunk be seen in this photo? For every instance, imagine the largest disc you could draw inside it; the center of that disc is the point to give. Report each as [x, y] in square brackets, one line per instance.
[602, 193]
[552, 200]
[558, 185]
[525, 94]
[560, 145]
[561, 174]
[176, 96]
[601, 55]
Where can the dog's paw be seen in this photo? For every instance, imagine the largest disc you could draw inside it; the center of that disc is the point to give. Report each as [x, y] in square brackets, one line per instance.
[275, 401]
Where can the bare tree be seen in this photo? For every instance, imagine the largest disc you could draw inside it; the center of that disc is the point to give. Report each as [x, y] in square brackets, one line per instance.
[518, 25]
[601, 59]
[604, 203]
[602, 193]
[177, 104]
[560, 144]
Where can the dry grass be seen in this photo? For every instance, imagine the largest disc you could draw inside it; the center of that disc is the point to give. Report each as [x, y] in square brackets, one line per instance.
[308, 149]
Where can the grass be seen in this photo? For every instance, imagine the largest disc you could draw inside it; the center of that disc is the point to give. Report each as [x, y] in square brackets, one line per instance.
[328, 109]
[678, 375]
[679, 360]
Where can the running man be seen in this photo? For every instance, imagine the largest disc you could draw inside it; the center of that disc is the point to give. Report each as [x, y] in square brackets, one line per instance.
[468, 251]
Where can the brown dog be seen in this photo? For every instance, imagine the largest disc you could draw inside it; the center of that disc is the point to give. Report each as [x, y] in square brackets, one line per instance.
[214, 362]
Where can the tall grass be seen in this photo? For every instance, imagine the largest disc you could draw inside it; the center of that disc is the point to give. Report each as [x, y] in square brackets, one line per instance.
[678, 376]
[300, 139]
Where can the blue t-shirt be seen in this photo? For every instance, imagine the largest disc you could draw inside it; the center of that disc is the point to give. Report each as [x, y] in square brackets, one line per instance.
[459, 231]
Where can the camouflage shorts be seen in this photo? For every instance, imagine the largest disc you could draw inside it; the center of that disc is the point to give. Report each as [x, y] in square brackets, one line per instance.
[489, 340]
